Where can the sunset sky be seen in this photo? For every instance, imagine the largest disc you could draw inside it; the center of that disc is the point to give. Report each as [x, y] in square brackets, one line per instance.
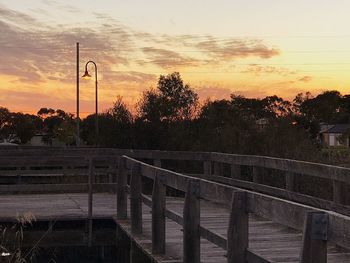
[254, 48]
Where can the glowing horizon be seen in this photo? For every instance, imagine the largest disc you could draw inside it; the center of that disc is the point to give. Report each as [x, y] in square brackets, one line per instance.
[222, 47]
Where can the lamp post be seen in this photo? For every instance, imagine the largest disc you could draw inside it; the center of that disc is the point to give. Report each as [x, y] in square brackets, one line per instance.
[87, 75]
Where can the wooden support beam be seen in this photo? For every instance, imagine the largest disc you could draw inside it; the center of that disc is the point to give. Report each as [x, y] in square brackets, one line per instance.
[121, 189]
[314, 245]
[90, 199]
[207, 167]
[290, 182]
[191, 217]
[136, 199]
[237, 233]
[340, 193]
[158, 215]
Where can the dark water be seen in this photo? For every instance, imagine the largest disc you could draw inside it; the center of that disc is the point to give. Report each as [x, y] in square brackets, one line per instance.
[79, 254]
[68, 241]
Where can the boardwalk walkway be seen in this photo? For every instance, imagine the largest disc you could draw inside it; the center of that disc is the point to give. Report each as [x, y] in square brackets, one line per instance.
[224, 217]
[272, 241]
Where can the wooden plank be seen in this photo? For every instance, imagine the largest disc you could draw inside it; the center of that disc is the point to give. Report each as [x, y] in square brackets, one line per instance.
[340, 193]
[54, 188]
[90, 200]
[158, 216]
[191, 216]
[237, 233]
[136, 199]
[290, 181]
[314, 249]
[121, 189]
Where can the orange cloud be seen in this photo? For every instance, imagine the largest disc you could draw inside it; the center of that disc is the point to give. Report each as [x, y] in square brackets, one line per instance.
[233, 49]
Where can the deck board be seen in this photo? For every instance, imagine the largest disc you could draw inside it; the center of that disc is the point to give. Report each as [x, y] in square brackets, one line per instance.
[270, 240]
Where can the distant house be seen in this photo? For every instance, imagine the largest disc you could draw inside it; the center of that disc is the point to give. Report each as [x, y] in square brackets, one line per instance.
[39, 140]
[335, 135]
[262, 123]
[6, 144]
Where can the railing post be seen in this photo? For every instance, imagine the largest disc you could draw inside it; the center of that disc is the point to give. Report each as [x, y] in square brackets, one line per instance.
[314, 244]
[121, 189]
[136, 199]
[340, 193]
[207, 168]
[158, 215]
[90, 199]
[191, 217]
[290, 182]
[235, 171]
[237, 233]
[258, 172]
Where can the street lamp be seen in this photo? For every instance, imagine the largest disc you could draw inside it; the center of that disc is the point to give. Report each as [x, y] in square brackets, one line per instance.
[87, 75]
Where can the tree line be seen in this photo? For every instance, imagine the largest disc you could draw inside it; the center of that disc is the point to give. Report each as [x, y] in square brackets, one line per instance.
[170, 117]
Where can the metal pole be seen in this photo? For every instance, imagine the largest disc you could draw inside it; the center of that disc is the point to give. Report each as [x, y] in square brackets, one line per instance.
[78, 119]
[96, 98]
[96, 106]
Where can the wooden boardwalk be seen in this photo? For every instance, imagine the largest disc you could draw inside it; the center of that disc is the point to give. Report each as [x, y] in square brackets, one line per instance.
[221, 219]
[272, 241]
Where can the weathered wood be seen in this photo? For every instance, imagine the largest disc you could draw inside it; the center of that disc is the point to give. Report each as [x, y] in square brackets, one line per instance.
[340, 193]
[136, 199]
[158, 216]
[90, 200]
[191, 217]
[121, 189]
[237, 233]
[258, 173]
[207, 167]
[290, 181]
[54, 188]
[314, 246]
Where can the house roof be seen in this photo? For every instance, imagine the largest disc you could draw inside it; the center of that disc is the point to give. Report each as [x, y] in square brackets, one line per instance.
[338, 128]
[8, 144]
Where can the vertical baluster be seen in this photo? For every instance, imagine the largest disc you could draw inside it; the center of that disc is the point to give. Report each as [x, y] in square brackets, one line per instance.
[237, 233]
[121, 189]
[314, 244]
[136, 199]
[90, 199]
[158, 215]
[191, 217]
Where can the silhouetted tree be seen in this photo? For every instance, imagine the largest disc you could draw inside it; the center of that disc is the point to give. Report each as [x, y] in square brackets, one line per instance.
[115, 127]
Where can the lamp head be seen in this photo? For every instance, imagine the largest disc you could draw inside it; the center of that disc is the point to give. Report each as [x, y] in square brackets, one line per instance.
[86, 74]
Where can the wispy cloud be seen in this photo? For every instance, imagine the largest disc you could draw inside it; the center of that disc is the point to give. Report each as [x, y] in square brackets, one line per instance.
[305, 79]
[36, 53]
[233, 49]
[168, 59]
[259, 69]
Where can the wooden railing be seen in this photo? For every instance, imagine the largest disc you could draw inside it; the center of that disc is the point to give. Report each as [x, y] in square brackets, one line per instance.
[317, 225]
[212, 169]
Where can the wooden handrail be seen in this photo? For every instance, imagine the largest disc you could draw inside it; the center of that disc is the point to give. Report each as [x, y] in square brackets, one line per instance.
[291, 169]
[275, 209]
